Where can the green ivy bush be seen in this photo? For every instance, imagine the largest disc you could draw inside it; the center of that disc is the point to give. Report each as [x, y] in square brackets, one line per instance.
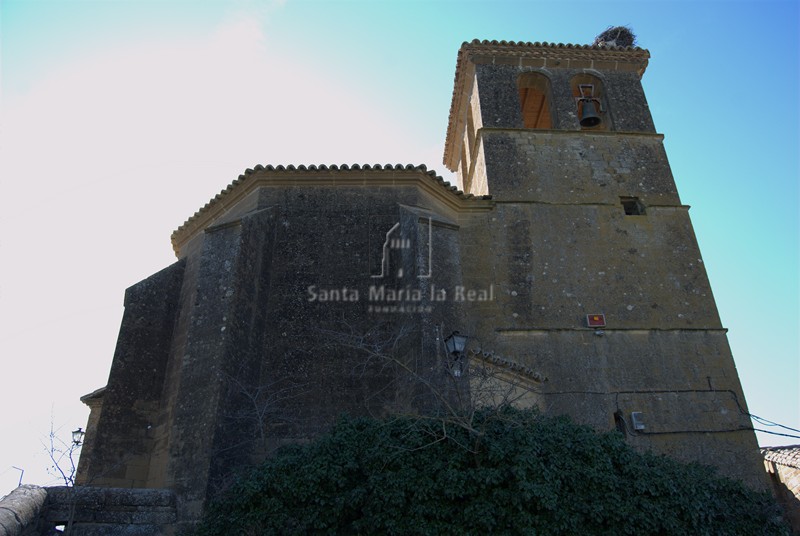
[521, 474]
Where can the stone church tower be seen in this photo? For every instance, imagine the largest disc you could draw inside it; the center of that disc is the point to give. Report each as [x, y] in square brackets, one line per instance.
[567, 258]
[603, 285]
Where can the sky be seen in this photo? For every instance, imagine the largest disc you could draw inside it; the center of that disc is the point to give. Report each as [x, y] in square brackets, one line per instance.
[120, 118]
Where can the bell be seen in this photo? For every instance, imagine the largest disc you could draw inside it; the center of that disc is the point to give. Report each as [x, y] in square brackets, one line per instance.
[589, 116]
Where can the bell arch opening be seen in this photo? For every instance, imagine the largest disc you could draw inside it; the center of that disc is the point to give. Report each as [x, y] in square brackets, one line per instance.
[534, 98]
[590, 101]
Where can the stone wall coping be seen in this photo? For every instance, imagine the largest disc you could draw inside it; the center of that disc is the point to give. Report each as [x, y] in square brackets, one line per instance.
[20, 509]
[97, 394]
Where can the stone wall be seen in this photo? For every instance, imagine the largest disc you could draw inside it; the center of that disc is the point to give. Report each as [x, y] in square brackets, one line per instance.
[244, 352]
[31, 511]
[132, 398]
[559, 246]
[110, 511]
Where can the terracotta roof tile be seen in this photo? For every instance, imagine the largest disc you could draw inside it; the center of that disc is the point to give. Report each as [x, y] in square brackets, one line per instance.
[788, 455]
[546, 44]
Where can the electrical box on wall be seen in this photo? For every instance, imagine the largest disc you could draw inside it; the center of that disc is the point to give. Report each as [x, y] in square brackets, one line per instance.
[637, 419]
[596, 321]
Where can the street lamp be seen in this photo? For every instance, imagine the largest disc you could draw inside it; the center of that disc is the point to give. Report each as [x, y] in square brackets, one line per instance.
[77, 436]
[455, 343]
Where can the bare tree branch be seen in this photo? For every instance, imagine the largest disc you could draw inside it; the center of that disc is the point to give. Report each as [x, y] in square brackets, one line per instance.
[486, 381]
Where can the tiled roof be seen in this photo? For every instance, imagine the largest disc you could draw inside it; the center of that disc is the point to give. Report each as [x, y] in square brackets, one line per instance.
[545, 44]
[788, 455]
[347, 171]
[555, 51]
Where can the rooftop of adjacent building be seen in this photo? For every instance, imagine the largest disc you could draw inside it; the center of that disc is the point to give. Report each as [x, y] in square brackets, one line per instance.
[788, 455]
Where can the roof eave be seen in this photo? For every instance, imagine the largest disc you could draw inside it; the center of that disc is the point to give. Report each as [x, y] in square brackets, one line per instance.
[344, 175]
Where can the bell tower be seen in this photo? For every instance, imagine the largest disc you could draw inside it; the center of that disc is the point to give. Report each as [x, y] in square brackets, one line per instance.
[599, 280]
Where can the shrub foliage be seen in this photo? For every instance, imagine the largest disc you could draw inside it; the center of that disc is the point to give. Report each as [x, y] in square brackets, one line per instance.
[521, 474]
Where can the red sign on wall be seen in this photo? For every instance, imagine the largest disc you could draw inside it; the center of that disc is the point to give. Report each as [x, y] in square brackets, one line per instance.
[596, 321]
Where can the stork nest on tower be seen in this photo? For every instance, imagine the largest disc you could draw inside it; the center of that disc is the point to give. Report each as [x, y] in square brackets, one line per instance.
[616, 36]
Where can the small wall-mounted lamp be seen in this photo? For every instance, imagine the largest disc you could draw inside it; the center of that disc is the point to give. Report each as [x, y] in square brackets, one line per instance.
[455, 344]
[77, 437]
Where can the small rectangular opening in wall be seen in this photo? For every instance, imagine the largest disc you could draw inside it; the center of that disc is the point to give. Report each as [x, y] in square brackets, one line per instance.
[632, 206]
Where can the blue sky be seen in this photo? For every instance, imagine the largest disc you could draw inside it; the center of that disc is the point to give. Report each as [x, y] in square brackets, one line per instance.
[120, 118]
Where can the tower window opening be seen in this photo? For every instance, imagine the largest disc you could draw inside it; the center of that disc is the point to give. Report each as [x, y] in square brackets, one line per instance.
[632, 206]
[589, 106]
[590, 101]
[534, 99]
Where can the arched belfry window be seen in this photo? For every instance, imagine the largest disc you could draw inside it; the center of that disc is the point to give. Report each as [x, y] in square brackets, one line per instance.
[534, 98]
[590, 102]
